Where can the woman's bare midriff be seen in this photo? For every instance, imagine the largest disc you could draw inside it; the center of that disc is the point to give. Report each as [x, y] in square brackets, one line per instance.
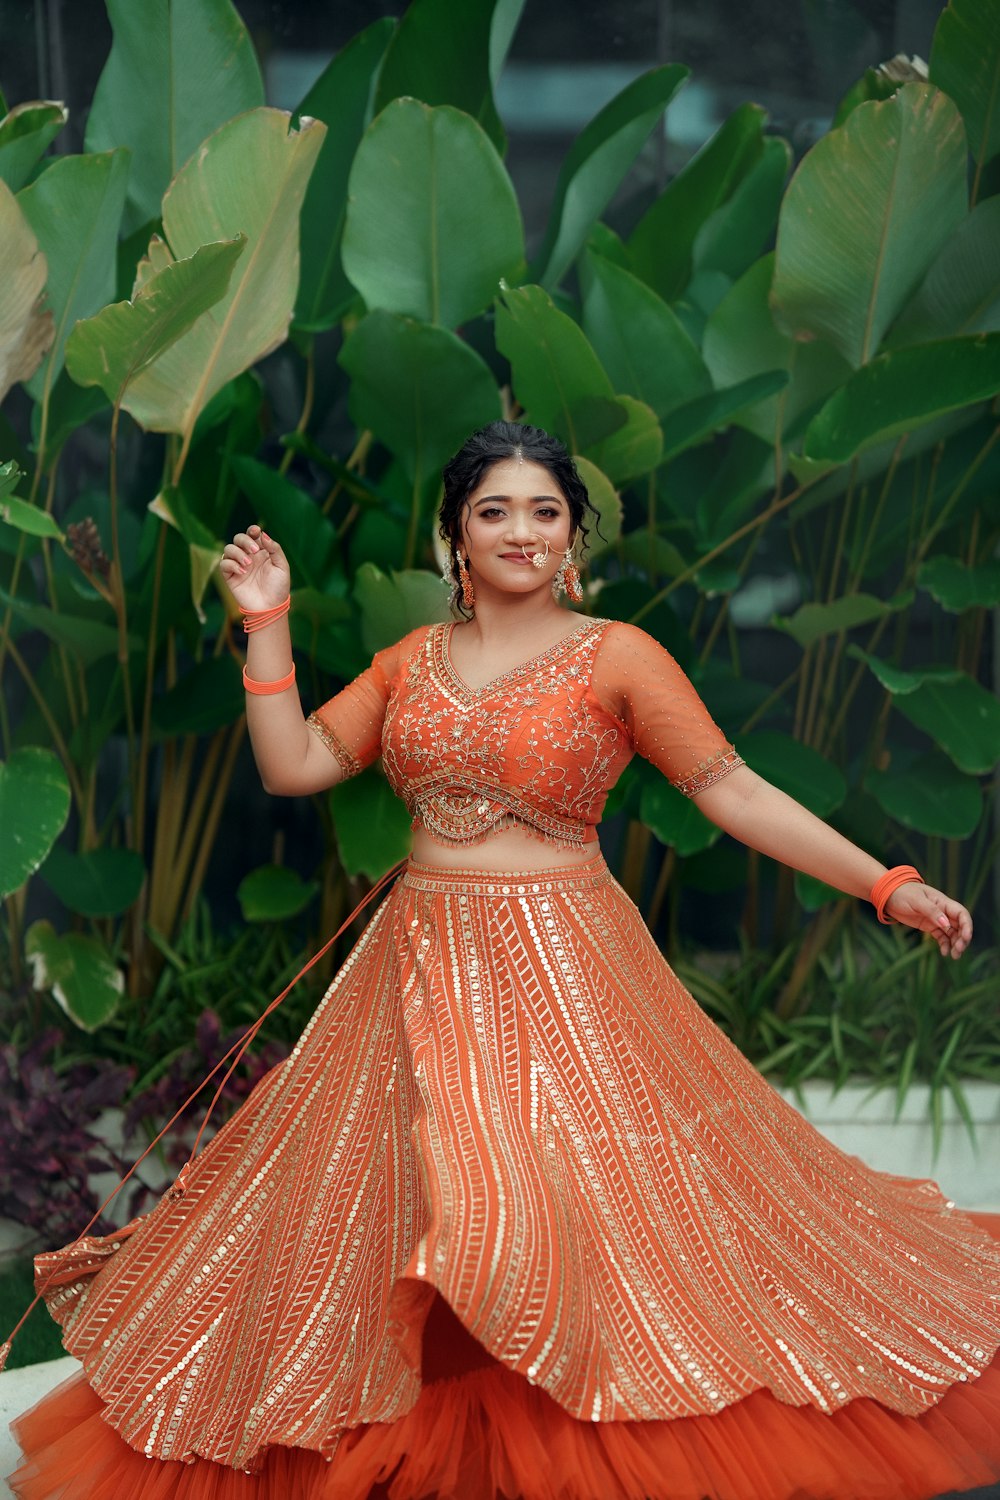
[509, 849]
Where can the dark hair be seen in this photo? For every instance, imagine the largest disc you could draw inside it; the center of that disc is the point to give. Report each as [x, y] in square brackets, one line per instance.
[493, 444]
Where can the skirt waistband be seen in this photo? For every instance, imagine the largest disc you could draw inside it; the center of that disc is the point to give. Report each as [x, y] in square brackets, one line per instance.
[440, 878]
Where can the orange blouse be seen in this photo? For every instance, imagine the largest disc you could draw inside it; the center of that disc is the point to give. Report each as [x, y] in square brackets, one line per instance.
[539, 747]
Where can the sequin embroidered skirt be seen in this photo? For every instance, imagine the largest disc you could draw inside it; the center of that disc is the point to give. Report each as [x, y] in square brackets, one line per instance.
[665, 1284]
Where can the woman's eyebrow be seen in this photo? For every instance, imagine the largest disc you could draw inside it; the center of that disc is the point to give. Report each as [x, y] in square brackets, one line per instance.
[535, 499]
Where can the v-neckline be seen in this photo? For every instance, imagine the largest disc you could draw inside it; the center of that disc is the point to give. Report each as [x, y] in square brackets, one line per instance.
[535, 661]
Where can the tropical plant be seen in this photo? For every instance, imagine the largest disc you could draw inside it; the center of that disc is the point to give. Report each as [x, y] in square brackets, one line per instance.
[761, 374]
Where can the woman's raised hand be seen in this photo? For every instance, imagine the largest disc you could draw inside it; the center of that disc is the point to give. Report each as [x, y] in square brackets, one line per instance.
[256, 570]
[930, 910]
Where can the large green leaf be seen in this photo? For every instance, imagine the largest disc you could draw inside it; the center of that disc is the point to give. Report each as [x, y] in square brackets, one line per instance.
[965, 62]
[740, 229]
[393, 604]
[177, 70]
[248, 178]
[865, 216]
[81, 975]
[961, 291]
[273, 893]
[340, 97]
[88, 639]
[75, 208]
[596, 164]
[555, 369]
[433, 225]
[956, 711]
[28, 518]
[676, 820]
[606, 501]
[903, 389]
[208, 697]
[26, 327]
[419, 388]
[661, 246]
[958, 586]
[34, 806]
[960, 716]
[25, 134]
[308, 537]
[797, 769]
[928, 794]
[634, 447]
[114, 346]
[442, 53]
[813, 621]
[640, 341]
[373, 825]
[740, 340]
[693, 423]
[101, 883]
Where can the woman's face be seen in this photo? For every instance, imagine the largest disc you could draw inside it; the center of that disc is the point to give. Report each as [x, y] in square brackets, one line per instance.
[516, 504]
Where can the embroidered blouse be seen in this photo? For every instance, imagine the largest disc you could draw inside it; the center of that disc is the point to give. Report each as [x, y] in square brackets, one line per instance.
[538, 747]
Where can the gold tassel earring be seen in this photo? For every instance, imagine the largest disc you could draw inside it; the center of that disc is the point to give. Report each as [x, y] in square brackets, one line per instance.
[567, 577]
[468, 593]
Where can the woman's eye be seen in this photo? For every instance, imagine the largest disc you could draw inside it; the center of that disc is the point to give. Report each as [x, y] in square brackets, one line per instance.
[544, 512]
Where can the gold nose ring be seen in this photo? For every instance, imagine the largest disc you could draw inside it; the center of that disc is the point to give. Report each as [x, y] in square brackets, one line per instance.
[538, 559]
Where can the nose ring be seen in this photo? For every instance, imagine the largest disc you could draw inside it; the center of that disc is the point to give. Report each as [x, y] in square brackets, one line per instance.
[538, 559]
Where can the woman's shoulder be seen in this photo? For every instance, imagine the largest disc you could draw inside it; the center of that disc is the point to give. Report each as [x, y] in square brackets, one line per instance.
[623, 640]
[393, 659]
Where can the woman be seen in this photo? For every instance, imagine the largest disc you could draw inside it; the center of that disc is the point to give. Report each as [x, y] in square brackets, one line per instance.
[514, 1216]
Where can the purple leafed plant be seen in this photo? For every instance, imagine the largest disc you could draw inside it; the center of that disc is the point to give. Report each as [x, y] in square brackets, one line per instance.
[47, 1152]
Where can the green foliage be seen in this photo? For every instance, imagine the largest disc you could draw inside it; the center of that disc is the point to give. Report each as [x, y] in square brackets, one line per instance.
[433, 225]
[34, 806]
[175, 73]
[780, 390]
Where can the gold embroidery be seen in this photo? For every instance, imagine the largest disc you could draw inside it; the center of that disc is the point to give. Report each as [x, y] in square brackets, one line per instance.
[350, 765]
[710, 771]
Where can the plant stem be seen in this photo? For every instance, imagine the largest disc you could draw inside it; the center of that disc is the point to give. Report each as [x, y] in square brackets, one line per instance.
[53, 727]
[714, 552]
[307, 404]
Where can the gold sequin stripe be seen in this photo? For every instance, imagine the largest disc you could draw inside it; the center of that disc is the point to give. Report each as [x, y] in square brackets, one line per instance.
[350, 765]
[708, 772]
[424, 877]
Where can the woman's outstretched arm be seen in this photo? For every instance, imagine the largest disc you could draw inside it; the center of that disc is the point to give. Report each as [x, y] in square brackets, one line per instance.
[765, 818]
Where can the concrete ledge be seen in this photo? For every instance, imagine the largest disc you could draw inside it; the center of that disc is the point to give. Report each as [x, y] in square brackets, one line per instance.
[862, 1123]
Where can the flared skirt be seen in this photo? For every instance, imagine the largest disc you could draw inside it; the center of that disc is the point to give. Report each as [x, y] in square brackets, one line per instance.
[516, 1218]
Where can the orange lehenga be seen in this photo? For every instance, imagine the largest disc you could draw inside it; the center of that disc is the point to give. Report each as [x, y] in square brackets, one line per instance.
[515, 1217]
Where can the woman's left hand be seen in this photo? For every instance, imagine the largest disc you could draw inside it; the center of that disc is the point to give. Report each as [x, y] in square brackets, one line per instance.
[930, 910]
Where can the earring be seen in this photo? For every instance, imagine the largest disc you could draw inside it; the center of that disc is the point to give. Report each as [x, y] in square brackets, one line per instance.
[468, 594]
[567, 577]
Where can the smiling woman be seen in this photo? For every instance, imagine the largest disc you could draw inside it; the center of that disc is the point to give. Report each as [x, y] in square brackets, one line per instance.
[515, 1217]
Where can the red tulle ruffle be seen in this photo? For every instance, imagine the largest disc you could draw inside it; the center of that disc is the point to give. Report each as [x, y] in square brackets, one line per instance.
[487, 1433]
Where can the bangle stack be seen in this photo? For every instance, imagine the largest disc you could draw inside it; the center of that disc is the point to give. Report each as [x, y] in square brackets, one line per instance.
[887, 884]
[257, 619]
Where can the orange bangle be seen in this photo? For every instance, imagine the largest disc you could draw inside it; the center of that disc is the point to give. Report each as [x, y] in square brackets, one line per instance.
[264, 688]
[256, 619]
[886, 884]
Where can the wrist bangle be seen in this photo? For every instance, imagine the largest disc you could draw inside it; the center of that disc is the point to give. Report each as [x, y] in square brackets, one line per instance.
[887, 884]
[256, 619]
[264, 688]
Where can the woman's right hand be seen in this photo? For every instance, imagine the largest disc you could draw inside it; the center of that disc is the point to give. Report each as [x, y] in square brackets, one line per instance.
[255, 570]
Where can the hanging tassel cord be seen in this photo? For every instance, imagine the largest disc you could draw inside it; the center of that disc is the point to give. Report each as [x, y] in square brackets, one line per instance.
[177, 1187]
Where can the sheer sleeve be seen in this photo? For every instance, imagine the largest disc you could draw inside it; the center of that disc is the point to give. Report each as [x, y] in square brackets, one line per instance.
[350, 723]
[668, 724]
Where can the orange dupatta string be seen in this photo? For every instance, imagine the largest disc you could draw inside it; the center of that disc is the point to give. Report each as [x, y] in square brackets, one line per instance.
[177, 1186]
